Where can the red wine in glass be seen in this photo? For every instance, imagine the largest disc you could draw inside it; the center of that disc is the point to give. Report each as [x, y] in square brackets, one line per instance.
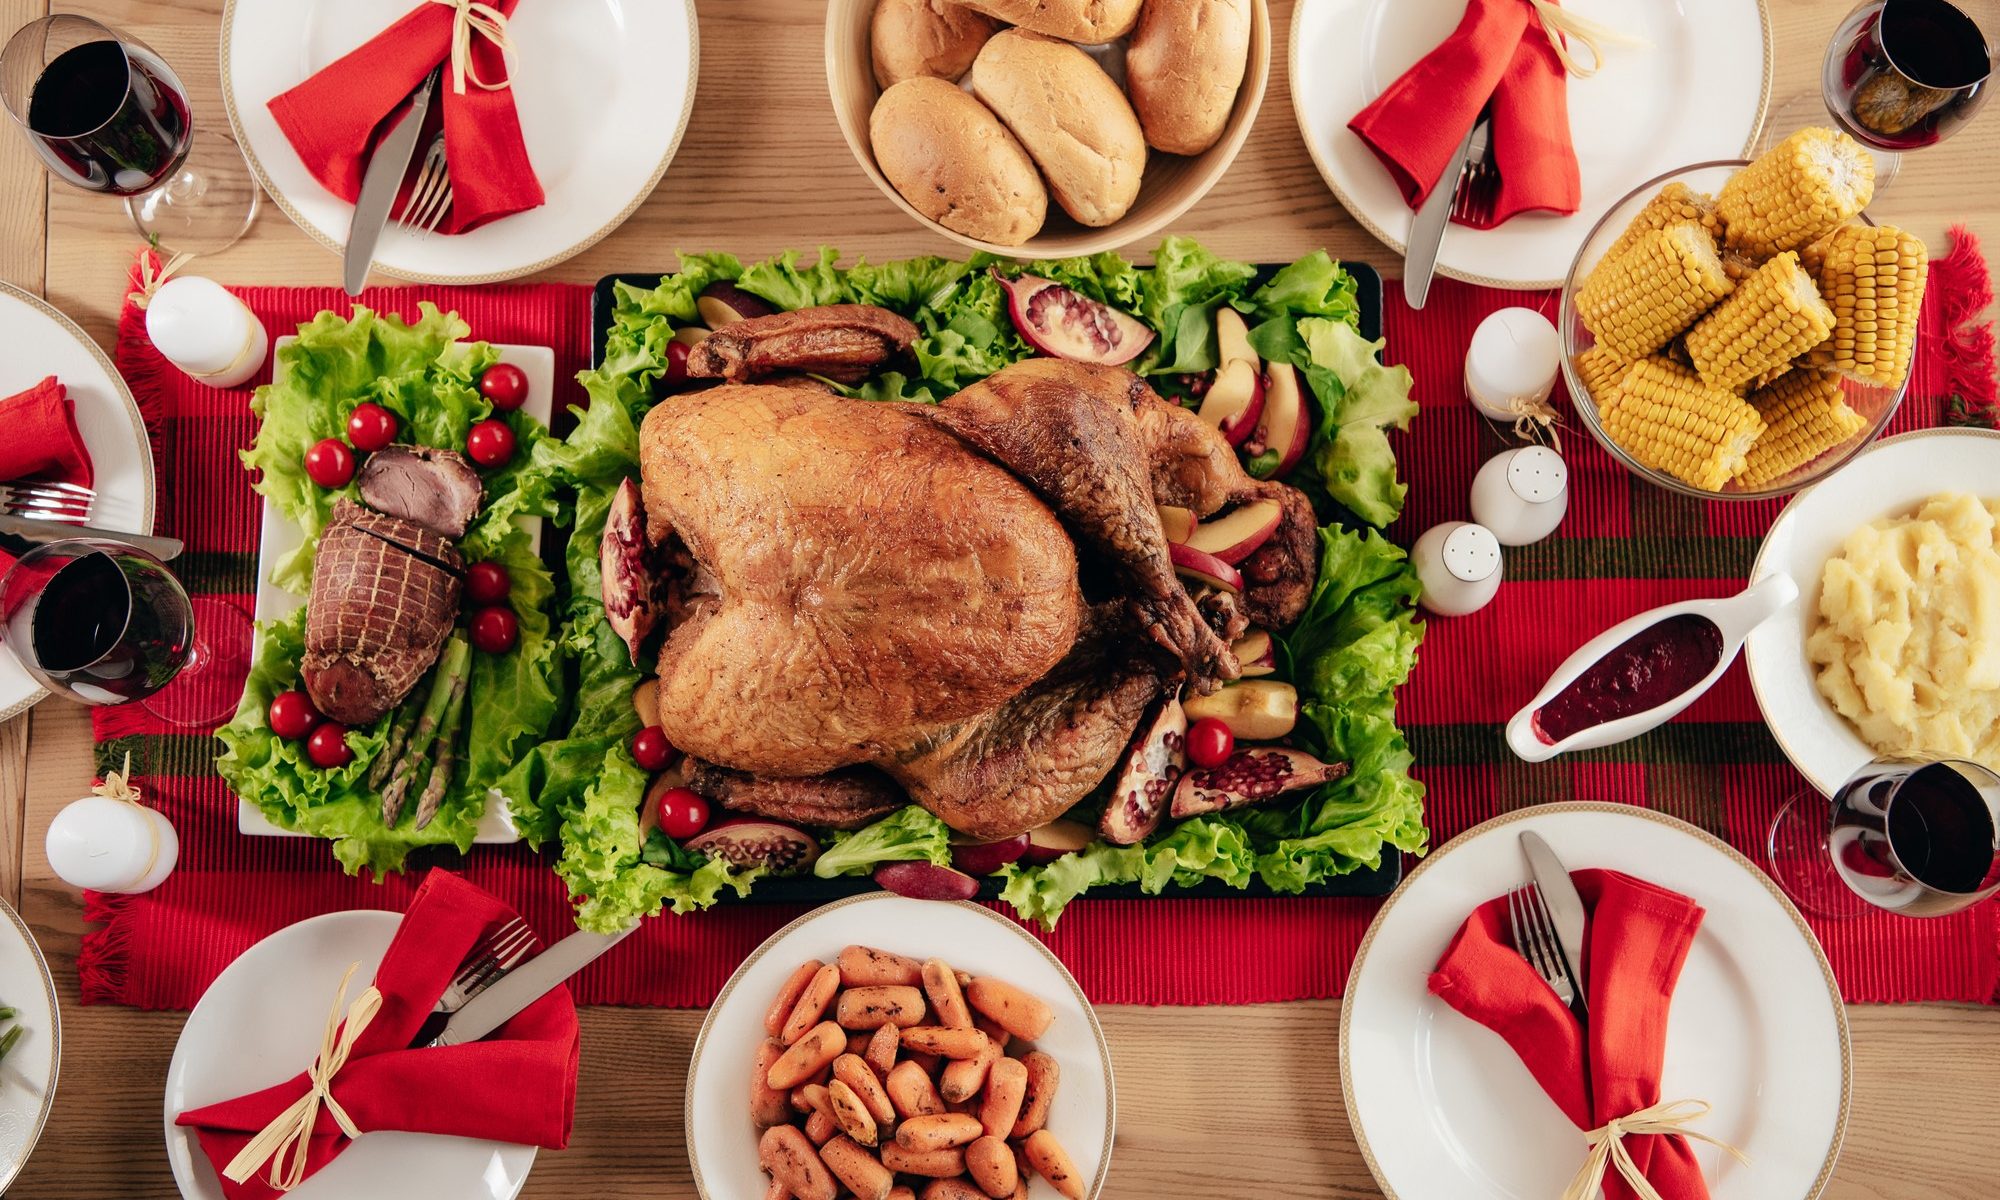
[1920, 839]
[100, 622]
[109, 117]
[1904, 74]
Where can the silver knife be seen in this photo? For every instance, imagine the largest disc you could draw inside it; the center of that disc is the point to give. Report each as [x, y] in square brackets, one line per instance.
[1427, 231]
[525, 984]
[1565, 907]
[379, 185]
[27, 531]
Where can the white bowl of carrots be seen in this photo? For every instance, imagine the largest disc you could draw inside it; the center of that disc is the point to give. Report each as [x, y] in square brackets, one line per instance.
[892, 1049]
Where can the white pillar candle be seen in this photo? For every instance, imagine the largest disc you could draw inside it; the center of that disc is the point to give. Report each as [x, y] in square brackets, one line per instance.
[202, 328]
[1511, 364]
[110, 845]
[1521, 494]
[1458, 564]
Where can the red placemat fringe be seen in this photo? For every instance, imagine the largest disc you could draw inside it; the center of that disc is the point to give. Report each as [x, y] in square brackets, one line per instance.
[1965, 290]
[103, 960]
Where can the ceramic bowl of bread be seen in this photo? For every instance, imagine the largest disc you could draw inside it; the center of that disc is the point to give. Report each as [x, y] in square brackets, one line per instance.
[1738, 330]
[1046, 128]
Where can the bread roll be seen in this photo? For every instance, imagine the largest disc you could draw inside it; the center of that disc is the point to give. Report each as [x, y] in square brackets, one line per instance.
[954, 161]
[1088, 21]
[1076, 124]
[1183, 67]
[909, 38]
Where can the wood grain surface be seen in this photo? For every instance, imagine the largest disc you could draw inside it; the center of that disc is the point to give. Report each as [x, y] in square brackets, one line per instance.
[1218, 1102]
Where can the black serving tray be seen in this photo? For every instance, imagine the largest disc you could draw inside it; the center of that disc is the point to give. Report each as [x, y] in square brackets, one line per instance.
[809, 890]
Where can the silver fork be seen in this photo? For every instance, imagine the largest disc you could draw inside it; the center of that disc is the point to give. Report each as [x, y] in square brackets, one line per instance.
[430, 196]
[1535, 939]
[499, 952]
[1478, 179]
[48, 501]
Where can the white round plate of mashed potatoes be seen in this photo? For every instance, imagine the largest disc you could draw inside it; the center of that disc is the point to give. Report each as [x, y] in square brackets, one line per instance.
[1894, 646]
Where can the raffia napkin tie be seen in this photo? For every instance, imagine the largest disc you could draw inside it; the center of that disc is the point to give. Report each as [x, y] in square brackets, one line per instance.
[1607, 1146]
[284, 1143]
[1562, 27]
[470, 17]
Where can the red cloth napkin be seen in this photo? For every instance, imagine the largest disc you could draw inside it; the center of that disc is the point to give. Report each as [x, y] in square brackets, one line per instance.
[1635, 939]
[518, 1085]
[335, 118]
[42, 441]
[1498, 52]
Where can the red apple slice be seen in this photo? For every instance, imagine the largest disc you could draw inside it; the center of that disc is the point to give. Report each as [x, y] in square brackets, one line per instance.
[1256, 710]
[1283, 425]
[1178, 522]
[1063, 323]
[1203, 567]
[1234, 400]
[1232, 338]
[1254, 653]
[1050, 842]
[1235, 535]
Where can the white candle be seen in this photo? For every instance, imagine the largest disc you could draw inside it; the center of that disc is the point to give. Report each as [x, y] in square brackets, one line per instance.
[1458, 564]
[111, 845]
[202, 328]
[1521, 494]
[1512, 362]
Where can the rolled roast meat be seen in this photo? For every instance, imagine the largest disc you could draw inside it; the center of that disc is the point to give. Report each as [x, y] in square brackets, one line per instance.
[384, 597]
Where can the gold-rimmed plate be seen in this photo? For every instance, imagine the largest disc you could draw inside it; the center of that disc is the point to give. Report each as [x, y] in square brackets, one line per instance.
[1442, 1108]
[1695, 88]
[722, 1140]
[28, 1073]
[603, 89]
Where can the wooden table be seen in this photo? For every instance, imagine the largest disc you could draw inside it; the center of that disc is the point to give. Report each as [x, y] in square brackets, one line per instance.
[764, 168]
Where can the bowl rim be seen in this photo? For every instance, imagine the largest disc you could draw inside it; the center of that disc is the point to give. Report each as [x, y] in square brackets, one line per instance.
[1586, 406]
[1213, 163]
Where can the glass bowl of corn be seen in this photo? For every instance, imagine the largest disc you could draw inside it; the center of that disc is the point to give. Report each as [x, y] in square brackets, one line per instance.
[1739, 329]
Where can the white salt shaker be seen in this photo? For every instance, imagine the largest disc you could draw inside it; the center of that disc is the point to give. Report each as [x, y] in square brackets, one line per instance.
[1458, 564]
[110, 842]
[203, 329]
[1511, 364]
[1521, 494]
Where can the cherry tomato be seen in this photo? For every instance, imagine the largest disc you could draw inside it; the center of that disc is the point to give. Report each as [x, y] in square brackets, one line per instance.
[683, 813]
[1209, 742]
[327, 747]
[490, 443]
[494, 629]
[487, 583]
[677, 365]
[371, 427]
[330, 463]
[505, 384]
[651, 749]
[292, 715]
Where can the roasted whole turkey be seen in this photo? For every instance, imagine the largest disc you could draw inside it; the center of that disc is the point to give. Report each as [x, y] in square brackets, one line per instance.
[970, 606]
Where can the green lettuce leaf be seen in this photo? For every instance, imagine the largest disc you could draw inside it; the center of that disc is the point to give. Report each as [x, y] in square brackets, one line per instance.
[1212, 847]
[908, 834]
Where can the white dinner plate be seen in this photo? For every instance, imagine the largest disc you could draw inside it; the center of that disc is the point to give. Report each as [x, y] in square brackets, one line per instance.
[28, 1073]
[722, 1141]
[261, 1022]
[1695, 91]
[1891, 478]
[1442, 1108]
[36, 341]
[278, 535]
[604, 89]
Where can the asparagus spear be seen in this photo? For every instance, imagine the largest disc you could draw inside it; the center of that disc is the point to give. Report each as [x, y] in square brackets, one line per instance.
[451, 670]
[447, 755]
[399, 736]
[8, 1039]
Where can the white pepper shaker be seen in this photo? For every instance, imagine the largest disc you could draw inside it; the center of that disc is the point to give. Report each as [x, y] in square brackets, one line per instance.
[1521, 494]
[1511, 364]
[1458, 564]
[202, 328]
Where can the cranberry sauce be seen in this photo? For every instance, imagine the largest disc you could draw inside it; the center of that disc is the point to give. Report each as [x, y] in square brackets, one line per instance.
[1648, 669]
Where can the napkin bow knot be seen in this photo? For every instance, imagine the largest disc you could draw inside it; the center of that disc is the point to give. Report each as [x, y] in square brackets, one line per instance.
[472, 17]
[289, 1135]
[1607, 1146]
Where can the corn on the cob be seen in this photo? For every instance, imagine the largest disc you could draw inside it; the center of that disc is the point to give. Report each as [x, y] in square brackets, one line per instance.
[1795, 192]
[1637, 302]
[1675, 203]
[1671, 421]
[1773, 318]
[1873, 277]
[1600, 370]
[1805, 415]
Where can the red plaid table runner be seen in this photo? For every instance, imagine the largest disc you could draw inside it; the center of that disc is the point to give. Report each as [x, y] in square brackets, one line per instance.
[1625, 547]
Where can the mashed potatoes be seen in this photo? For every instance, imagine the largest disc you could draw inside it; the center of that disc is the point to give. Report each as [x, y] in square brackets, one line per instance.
[1908, 641]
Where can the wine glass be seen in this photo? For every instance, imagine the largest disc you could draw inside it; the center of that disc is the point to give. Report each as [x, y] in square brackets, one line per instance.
[1898, 75]
[1918, 837]
[106, 114]
[106, 623]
